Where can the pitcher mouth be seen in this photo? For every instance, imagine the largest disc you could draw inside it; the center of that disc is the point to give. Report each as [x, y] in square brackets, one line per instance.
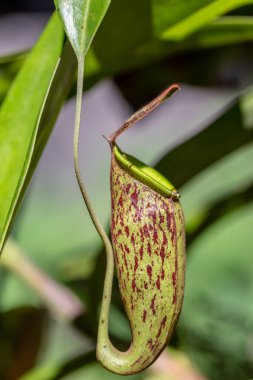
[145, 174]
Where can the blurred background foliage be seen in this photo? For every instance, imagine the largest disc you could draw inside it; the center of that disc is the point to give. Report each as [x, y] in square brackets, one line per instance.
[52, 267]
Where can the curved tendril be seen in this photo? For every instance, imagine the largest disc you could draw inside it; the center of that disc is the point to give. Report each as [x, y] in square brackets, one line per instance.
[109, 251]
[144, 111]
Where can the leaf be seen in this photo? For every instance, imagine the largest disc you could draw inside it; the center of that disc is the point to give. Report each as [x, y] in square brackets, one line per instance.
[58, 91]
[219, 209]
[15, 292]
[218, 313]
[141, 30]
[224, 31]
[81, 19]
[221, 137]
[183, 20]
[8, 71]
[220, 188]
[19, 118]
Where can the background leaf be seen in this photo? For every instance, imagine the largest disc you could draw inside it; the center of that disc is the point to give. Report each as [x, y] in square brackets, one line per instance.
[185, 19]
[225, 30]
[224, 135]
[19, 118]
[218, 298]
[81, 20]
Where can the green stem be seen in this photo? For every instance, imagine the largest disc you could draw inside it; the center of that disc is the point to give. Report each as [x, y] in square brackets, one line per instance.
[85, 195]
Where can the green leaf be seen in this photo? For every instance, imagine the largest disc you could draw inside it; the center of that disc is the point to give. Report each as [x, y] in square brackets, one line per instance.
[219, 189]
[226, 30]
[57, 93]
[81, 20]
[8, 71]
[176, 22]
[218, 310]
[19, 118]
[221, 137]
[168, 14]
[16, 293]
[219, 209]
[145, 31]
